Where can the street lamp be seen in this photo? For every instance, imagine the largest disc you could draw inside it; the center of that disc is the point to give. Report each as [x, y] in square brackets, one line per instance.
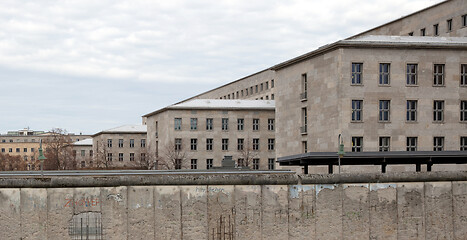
[340, 152]
[41, 158]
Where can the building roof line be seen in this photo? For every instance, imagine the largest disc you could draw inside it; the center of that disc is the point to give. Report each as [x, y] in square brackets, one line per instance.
[398, 19]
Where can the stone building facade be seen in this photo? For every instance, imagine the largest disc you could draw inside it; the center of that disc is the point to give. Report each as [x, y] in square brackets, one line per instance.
[120, 147]
[203, 131]
[83, 153]
[445, 19]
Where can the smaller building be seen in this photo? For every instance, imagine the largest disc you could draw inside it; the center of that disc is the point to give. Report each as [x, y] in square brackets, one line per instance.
[120, 147]
[83, 153]
[199, 133]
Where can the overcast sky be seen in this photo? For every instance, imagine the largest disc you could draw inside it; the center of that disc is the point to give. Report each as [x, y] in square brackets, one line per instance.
[90, 65]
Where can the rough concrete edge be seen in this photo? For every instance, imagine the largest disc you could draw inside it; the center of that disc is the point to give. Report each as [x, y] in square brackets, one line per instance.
[228, 179]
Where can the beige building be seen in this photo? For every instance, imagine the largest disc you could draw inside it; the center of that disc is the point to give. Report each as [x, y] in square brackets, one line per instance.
[382, 93]
[120, 147]
[25, 143]
[197, 134]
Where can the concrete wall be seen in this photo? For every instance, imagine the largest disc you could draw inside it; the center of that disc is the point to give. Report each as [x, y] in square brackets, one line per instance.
[386, 210]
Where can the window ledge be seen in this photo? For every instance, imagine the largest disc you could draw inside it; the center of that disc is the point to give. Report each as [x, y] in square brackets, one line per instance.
[438, 85]
[411, 122]
[357, 85]
[411, 85]
[437, 122]
[356, 121]
[384, 85]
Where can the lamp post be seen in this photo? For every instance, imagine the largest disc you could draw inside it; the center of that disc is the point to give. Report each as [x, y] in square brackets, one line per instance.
[340, 152]
[41, 158]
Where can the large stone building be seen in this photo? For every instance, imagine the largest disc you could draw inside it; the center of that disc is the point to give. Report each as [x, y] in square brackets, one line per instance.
[198, 134]
[386, 89]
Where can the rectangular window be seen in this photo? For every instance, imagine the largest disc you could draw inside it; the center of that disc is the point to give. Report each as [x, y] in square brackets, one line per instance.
[411, 144]
[464, 20]
[304, 129]
[438, 75]
[256, 88]
[384, 71]
[438, 111]
[25, 150]
[109, 143]
[384, 108]
[225, 124]
[143, 143]
[449, 24]
[255, 124]
[422, 32]
[91, 153]
[178, 163]
[412, 74]
[384, 143]
[132, 157]
[120, 143]
[357, 113]
[209, 142]
[240, 143]
[74, 153]
[177, 124]
[240, 162]
[303, 94]
[438, 144]
[463, 75]
[411, 115]
[109, 157]
[255, 144]
[267, 85]
[143, 157]
[463, 112]
[272, 83]
[32, 149]
[225, 144]
[241, 92]
[193, 123]
[271, 142]
[10, 149]
[178, 144]
[251, 90]
[83, 153]
[255, 163]
[3, 150]
[120, 157]
[261, 87]
[194, 144]
[357, 69]
[132, 143]
[240, 124]
[357, 144]
[463, 144]
[209, 123]
[208, 163]
[271, 163]
[194, 163]
[436, 30]
[17, 150]
[246, 90]
[271, 124]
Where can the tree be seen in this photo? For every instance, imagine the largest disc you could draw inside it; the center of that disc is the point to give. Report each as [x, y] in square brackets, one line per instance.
[174, 157]
[58, 150]
[102, 160]
[246, 154]
[11, 163]
[145, 159]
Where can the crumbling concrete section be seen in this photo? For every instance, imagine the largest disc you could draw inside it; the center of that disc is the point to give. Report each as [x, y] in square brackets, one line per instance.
[384, 210]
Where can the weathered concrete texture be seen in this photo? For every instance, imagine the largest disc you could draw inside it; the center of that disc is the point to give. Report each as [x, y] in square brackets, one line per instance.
[10, 217]
[459, 193]
[438, 208]
[424, 210]
[60, 207]
[411, 212]
[302, 211]
[275, 211]
[113, 202]
[168, 223]
[34, 213]
[356, 217]
[383, 211]
[141, 212]
[248, 212]
[329, 211]
[194, 212]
